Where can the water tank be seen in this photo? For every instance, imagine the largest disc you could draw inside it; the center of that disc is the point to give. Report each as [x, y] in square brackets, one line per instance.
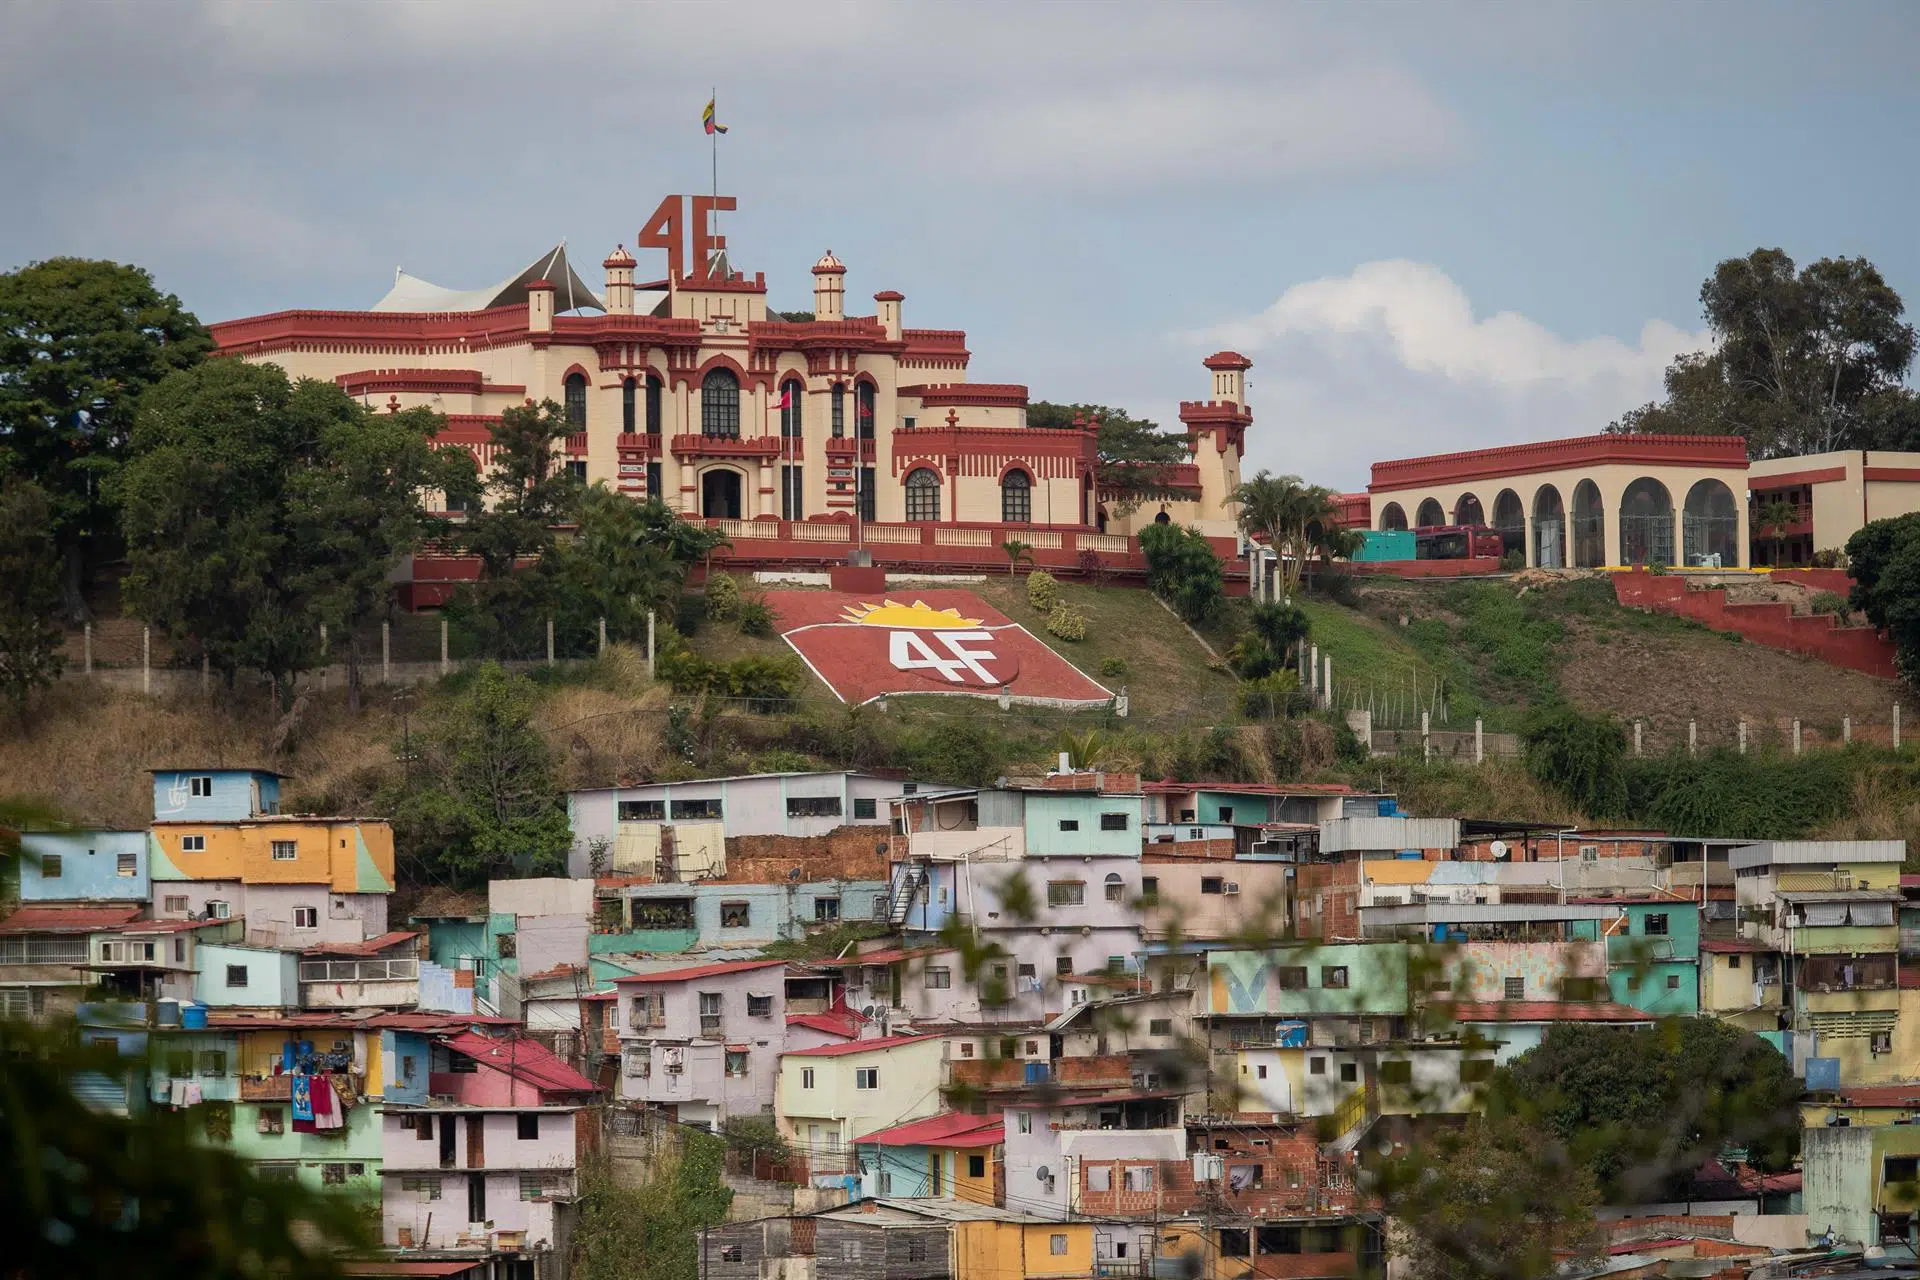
[193, 1017]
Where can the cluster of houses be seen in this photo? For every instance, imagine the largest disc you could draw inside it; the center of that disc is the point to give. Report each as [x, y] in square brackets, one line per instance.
[1073, 1024]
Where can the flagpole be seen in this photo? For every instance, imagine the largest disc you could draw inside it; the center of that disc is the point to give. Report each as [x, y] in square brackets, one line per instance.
[713, 136]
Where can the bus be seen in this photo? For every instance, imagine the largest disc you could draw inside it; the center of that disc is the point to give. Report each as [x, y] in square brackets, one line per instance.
[1457, 542]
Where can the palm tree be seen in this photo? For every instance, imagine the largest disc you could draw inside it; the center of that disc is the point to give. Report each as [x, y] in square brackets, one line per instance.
[1772, 521]
[1083, 750]
[1016, 552]
[1297, 518]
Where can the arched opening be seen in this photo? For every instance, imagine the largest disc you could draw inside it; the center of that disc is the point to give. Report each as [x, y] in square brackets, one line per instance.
[1646, 523]
[720, 404]
[1116, 887]
[863, 410]
[1393, 516]
[629, 408]
[1589, 526]
[1549, 529]
[1710, 527]
[1431, 515]
[1016, 497]
[792, 396]
[1468, 511]
[656, 390]
[1163, 518]
[720, 494]
[1510, 521]
[923, 494]
[576, 400]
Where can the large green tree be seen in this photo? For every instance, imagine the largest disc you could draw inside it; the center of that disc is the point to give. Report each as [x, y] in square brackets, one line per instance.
[1183, 570]
[480, 797]
[1806, 360]
[1296, 518]
[255, 509]
[30, 566]
[79, 342]
[1884, 559]
[622, 560]
[1135, 457]
[1643, 1108]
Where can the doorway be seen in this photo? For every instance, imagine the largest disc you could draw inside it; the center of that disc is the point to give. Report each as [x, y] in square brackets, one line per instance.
[446, 1139]
[476, 1197]
[720, 495]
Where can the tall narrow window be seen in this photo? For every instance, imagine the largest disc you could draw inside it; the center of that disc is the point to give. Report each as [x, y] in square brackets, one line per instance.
[653, 480]
[790, 494]
[923, 495]
[576, 385]
[863, 410]
[864, 494]
[1016, 498]
[655, 389]
[629, 393]
[839, 410]
[792, 396]
[720, 405]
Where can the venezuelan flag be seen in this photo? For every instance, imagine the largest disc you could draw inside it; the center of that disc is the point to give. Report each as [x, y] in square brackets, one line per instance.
[706, 118]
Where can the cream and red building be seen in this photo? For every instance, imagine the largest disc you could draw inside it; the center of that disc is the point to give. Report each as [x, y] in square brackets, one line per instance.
[830, 431]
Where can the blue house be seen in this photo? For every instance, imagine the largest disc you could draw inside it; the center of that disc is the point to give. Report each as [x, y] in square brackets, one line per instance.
[215, 795]
[85, 866]
[1653, 956]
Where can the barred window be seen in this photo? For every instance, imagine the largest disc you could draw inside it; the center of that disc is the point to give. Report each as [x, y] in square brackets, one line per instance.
[793, 395]
[720, 405]
[576, 385]
[923, 495]
[629, 409]
[655, 390]
[1016, 498]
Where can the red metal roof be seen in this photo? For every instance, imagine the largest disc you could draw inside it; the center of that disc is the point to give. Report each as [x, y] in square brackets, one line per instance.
[1728, 452]
[1881, 1095]
[855, 1046]
[702, 971]
[1546, 1011]
[1733, 944]
[522, 1059]
[372, 946]
[834, 1024]
[882, 957]
[954, 1129]
[60, 919]
[1251, 788]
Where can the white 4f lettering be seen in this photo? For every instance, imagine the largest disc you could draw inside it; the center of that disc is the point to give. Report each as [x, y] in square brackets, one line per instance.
[909, 651]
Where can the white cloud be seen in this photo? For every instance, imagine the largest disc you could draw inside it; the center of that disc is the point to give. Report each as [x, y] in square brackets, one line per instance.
[1390, 361]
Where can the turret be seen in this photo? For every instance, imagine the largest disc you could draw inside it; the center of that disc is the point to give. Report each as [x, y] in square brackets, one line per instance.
[619, 266]
[887, 304]
[829, 288]
[1229, 375]
[540, 307]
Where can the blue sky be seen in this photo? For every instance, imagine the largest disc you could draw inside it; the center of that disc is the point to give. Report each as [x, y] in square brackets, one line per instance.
[1432, 227]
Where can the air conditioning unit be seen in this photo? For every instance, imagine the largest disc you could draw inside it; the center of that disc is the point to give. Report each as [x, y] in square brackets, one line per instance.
[1230, 888]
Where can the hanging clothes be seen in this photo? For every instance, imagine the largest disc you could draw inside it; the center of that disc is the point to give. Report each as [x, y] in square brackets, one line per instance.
[191, 1092]
[302, 1098]
[326, 1107]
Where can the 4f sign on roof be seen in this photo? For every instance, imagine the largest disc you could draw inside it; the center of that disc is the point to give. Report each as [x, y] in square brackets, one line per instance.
[939, 642]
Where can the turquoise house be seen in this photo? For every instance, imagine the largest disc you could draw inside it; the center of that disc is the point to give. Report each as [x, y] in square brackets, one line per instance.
[85, 866]
[214, 795]
[1081, 824]
[1653, 955]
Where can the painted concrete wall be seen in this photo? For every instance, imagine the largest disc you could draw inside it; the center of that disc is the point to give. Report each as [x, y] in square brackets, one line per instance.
[773, 911]
[90, 866]
[749, 806]
[1048, 837]
[1246, 982]
[235, 794]
[702, 1088]
[271, 978]
[909, 1088]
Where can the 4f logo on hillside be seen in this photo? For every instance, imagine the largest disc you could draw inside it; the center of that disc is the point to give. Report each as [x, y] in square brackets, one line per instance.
[938, 642]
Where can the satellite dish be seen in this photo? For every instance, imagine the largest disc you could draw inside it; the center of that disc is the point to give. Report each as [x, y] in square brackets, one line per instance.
[871, 1012]
[1499, 850]
[1043, 1173]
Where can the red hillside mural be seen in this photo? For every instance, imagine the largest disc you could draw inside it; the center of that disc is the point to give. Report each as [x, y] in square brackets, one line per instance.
[941, 642]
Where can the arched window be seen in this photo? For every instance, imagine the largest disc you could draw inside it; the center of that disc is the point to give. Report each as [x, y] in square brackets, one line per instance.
[1646, 523]
[1468, 510]
[576, 385]
[720, 405]
[629, 411]
[839, 410]
[1393, 516]
[1589, 526]
[1510, 521]
[1016, 498]
[1710, 526]
[792, 396]
[1549, 529]
[923, 495]
[1431, 514]
[1116, 887]
[863, 410]
[656, 389]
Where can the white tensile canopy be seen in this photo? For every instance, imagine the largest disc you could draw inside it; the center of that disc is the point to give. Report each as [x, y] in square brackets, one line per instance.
[411, 293]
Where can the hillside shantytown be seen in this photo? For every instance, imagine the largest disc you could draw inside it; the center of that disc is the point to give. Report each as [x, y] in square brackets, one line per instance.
[671, 770]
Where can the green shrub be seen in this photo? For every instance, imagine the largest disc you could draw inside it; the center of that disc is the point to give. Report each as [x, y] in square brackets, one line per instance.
[1582, 756]
[756, 619]
[1830, 558]
[1828, 602]
[723, 597]
[1113, 668]
[1513, 562]
[1043, 590]
[1067, 622]
[1183, 570]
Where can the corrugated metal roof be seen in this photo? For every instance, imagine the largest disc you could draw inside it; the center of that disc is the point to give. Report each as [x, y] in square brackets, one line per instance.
[60, 919]
[1788, 853]
[1362, 835]
[855, 1046]
[522, 1059]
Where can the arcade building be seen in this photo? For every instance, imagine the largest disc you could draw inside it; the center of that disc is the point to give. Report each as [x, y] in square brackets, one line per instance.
[827, 429]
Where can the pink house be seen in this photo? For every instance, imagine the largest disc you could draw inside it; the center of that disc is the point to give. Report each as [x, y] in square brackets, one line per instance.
[477, 1166]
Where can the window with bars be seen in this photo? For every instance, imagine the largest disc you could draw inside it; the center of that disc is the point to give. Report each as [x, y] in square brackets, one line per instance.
[1016, 498]
[656, 390]
[863, 405]
[838, 400]
[923, 495]
[285, 850]
[629, 406]
[576, 394]
[642, 810]
[127, 864]
[792, 396]
[720, 405]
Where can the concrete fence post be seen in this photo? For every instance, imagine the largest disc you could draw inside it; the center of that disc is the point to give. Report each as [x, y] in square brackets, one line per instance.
[1638, 725]
[146, 662]
[603, 636]
[87, 648]
[445, 664]
[549, 641]
[1743, 737]
[1896, 726]
[1479, 742]
[323, 639]
[1313, 671]
[1426, 737]
[386, 653]
[1693, 737]
[1846, 730]
[1326, 685]
[1796, 736]
[649, 644]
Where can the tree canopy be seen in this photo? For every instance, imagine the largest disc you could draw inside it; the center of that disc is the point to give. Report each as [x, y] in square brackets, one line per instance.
[1807, 360]
[79, 342]
[1183, 570]
[1134, 454]
[1296, 518]
[1884, 559]
[30, 632]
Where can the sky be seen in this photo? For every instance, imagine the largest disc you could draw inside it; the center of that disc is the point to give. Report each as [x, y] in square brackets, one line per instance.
[1431, 227]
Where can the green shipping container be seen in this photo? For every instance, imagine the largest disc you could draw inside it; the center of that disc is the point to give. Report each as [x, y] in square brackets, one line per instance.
[1385, 544]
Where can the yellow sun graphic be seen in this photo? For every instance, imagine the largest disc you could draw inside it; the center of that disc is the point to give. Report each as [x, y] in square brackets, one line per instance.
[918, 614]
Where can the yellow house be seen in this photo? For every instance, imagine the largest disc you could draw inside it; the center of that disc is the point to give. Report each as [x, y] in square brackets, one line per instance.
[827, 1096]
[1740, 982]
[1017, 1244]
[349, 855]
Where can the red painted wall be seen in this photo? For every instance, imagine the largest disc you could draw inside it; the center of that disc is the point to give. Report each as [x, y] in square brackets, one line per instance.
[1774, 625]
[1428, 568]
